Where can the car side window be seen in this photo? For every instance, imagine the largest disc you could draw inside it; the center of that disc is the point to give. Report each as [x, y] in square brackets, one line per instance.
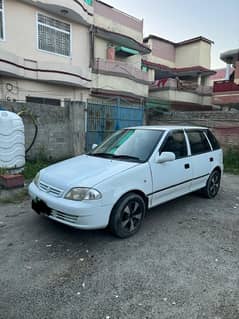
[213, 140]
[176, 143]
[198, 142]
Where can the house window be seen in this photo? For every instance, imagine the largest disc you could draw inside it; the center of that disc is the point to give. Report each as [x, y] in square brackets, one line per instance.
[1, 20]
[43, 100]
[53, 35]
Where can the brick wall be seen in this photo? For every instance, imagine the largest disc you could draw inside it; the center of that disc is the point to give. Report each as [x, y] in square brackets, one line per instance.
[225, 125]
[61, 130]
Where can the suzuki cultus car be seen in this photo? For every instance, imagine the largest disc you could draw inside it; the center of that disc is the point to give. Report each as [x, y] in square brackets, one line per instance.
[132, 171]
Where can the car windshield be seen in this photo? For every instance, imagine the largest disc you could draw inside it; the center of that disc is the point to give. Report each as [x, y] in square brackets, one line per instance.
[129, 144]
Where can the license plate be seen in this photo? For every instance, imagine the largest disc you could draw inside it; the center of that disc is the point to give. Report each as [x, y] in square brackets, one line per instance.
[41, 207]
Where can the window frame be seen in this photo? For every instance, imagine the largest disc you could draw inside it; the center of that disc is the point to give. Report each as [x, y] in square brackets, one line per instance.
[3, 21]
[186, 143]
[30, 99]
[204, 134]
[215, 145]
[60, 20]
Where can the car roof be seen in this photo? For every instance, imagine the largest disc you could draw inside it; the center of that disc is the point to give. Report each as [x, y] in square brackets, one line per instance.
[167, 127]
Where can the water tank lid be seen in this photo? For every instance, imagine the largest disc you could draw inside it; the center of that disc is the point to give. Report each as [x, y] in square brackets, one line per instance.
[9, 115]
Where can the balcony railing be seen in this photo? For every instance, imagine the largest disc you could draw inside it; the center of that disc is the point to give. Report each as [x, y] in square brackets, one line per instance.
[225, 86]
[118, 68]
[186, 86]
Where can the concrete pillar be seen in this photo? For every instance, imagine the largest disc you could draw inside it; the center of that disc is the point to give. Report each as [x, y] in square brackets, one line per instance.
[199, 80]
[236, 78]
[228, 70]
[77, 126]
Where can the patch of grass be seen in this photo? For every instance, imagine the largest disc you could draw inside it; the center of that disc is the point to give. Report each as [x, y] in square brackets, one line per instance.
[231, 161]
[3, 171]
[33, 167]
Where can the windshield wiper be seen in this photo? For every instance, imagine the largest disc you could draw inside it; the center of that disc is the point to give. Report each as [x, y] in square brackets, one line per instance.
[126, 157]
[109, 155]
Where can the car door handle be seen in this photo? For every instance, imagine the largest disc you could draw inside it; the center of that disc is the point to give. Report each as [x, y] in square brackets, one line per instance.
[187, 166]
[211, 159]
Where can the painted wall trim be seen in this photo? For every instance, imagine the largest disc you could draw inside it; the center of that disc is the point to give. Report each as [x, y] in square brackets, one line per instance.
[44, 70]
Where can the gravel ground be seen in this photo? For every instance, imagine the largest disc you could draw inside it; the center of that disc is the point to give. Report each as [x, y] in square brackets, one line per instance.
[183, 264]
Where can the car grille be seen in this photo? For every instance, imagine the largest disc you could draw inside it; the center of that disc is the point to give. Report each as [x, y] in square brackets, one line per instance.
[66, 217]
[50, 190]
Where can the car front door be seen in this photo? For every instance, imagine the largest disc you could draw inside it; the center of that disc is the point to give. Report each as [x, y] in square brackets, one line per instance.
[171, 179]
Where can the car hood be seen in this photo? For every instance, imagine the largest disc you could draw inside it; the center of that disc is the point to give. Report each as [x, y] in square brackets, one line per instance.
[82, 171]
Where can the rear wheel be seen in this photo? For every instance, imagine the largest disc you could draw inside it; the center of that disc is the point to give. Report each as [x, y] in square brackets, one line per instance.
[127, 215]
[213, 185]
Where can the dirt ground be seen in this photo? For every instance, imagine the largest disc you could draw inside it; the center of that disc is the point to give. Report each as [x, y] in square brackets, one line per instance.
[183, 264]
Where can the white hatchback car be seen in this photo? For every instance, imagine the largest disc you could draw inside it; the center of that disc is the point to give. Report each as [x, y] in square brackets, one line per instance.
[133, 170]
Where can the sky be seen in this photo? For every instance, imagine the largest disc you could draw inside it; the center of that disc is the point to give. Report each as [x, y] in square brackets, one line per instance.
[178, 20]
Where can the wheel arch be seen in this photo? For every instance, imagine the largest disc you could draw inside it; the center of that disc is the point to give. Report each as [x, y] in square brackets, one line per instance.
[217, 168]
[133, 191]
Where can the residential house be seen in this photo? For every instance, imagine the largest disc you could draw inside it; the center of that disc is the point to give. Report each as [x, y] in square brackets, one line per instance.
[226, 91]
[56, 50]
[180, 73]
[44, 50]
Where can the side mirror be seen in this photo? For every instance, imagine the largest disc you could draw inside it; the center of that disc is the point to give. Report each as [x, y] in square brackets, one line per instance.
[165, 157]
[94, 146]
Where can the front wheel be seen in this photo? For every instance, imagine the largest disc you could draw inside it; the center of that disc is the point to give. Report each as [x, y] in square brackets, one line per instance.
[127, 215]
[213, 185]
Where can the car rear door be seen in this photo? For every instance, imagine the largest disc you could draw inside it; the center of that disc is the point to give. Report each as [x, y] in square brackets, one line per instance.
[201, 157]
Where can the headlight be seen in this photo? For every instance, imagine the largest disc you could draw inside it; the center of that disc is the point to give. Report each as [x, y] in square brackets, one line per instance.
[36, 179]
[83, 193]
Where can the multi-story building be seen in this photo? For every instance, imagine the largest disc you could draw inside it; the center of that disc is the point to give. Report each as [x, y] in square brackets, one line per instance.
[51, 50]
[56, 50]
[180, 72]
[117, 46]
[226, 91]
[44, 50]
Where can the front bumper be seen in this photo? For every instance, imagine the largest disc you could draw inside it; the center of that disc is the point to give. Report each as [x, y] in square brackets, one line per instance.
[81, 215]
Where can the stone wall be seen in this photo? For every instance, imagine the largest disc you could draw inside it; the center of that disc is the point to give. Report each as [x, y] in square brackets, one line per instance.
[61, 130]
[225, 125]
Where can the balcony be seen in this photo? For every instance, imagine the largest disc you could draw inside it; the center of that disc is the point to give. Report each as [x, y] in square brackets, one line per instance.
[183, 92]
[120, 69]
[225, 93]
[119, 78]
[184, 86]
[225, 86]
[79, 11]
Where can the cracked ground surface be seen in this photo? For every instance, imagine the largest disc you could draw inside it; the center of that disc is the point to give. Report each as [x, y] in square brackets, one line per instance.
[183, 264]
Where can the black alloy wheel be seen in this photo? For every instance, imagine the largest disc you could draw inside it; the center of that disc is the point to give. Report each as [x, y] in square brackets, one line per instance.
[213, 184]
[127, 216]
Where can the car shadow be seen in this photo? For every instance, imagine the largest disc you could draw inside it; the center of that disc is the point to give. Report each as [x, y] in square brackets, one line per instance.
[159, 214]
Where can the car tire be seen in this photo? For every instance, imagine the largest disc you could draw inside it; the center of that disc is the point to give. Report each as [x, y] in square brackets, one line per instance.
[127, 215]
[213, 184]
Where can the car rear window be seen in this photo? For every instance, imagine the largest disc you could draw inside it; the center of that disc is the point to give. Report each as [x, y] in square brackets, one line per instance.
[213, 140]
[198, 142]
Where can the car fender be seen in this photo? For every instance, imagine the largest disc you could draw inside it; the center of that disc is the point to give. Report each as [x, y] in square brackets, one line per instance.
[137, 178]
